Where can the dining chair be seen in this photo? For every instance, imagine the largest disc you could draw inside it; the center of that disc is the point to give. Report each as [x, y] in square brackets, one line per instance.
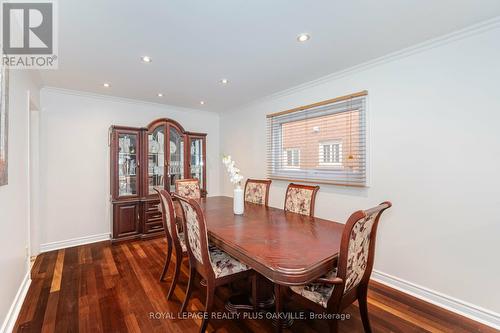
[213, 264]
[349, 280]
[257, 191]
[175, 239]
[189, 188]
[300, 199]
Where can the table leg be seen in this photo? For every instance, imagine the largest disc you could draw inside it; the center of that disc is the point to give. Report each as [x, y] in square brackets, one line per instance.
[282, 319]
[267, 294]
[259, 298]
[262, 292]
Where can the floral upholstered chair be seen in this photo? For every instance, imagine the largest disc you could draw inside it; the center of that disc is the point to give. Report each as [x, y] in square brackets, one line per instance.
[300, 199]
[257, 191]
[175, 239]
[189, 188]
[213, 264]
[349, 280]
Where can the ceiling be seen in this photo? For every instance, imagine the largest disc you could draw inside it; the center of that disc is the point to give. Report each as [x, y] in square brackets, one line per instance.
[194, 44]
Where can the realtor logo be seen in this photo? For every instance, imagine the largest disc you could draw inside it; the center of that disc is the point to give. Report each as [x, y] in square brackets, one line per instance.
[28, 35]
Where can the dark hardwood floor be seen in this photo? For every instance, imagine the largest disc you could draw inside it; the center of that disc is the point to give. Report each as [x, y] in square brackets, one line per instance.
[114, 288]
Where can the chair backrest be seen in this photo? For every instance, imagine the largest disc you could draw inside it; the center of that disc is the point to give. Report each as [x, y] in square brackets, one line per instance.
[188, 188]
[168, 216]
[357, 247]
[257, 191]
[300, 199]
[195, 232]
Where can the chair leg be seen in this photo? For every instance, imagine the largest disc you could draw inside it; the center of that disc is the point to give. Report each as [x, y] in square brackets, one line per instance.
[192, 275]
[178, 262]
[363, 309]
[208, 307]
[167, 261]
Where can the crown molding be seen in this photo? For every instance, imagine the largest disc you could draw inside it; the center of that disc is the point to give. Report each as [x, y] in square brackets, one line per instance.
[116, 99]
[472, 30]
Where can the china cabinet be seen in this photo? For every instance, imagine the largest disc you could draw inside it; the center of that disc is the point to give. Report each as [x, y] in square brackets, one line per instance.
[145, 158]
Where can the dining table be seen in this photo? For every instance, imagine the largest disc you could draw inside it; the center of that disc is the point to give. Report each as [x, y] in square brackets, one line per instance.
[283, 247]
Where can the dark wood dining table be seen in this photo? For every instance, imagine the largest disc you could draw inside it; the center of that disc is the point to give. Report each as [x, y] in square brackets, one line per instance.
[286, 248]
[283, 247]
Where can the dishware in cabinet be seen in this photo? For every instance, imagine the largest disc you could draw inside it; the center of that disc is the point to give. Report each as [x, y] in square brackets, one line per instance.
[125, 163]
[197, 158]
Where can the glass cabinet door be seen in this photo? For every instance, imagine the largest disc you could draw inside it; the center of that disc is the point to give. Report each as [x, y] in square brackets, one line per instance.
[176, 158]
[196, 163]
[127, 164]
[156, 159]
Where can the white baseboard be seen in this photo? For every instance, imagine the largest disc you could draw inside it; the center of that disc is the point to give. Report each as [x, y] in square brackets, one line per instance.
[463, 308]
[74, 242]
[15, 308]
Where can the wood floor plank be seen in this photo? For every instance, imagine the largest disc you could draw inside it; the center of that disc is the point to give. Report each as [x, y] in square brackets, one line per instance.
[405, 316]
[67, 307]
[409, 311]
[102, 287]
[56, 278]
[49, 320]
[84, 255]
[35, 269]
[30, 310]
[40, 285]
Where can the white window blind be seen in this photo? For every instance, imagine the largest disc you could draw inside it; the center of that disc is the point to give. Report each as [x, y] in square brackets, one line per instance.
[323, 142]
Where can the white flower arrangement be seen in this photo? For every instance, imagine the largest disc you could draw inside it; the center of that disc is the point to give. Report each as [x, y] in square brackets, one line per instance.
[232, 170]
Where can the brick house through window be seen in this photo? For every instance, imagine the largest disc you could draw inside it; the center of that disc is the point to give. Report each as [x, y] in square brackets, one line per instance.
[323, 142]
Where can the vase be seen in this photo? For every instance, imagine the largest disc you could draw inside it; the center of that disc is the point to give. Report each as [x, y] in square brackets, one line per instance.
[238, 204]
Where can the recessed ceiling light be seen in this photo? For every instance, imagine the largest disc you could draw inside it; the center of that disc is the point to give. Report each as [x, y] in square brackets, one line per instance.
[160, 95]
[202, 102]
[106, 85]
[146, 59]
[303, 37]
[224, 81]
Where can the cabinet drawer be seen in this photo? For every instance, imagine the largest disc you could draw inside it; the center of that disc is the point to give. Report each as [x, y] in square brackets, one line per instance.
[153, 216]
[153, 206]
[153, 227]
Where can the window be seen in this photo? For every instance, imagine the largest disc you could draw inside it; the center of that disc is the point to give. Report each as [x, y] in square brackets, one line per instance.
[330, 153]
[322, 143]
[291, 158]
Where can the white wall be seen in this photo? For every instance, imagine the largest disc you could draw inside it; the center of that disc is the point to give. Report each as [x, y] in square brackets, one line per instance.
[434, 118]
[74, 157]
[14, 197]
